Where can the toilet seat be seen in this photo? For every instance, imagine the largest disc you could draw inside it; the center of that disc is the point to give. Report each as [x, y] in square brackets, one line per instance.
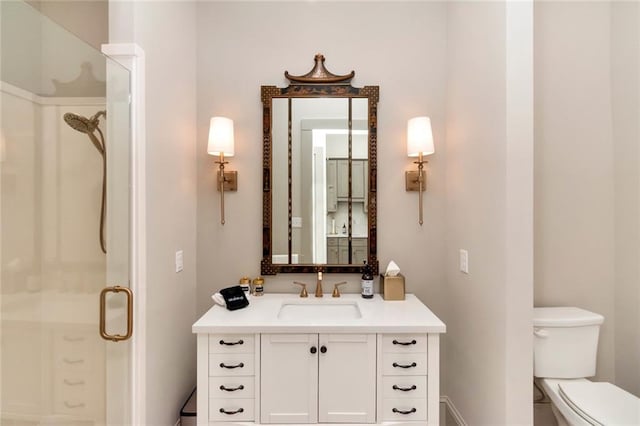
[601, 403]
[586, 403]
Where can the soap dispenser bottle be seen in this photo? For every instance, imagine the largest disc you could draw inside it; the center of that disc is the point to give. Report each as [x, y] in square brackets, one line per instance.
[367, 281]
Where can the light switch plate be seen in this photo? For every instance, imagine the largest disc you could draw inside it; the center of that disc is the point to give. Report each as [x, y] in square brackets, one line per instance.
[296, 222]
[464, 261]
[179, 261]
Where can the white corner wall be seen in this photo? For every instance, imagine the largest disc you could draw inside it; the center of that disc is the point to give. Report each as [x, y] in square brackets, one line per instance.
[166, 32]
[489, 211]
[587, 172]
[625, 89]
[574, 165]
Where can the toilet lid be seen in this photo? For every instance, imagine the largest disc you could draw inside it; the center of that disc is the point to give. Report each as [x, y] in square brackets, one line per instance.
[601, 403]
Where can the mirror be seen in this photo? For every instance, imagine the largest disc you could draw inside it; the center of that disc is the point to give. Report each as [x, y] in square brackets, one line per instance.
[319, 174]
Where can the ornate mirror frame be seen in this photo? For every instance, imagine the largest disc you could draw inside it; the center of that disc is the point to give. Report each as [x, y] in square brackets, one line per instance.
[318, 83]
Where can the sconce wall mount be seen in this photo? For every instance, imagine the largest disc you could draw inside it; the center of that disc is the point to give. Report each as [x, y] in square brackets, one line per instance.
[221, 143]
[419, 144]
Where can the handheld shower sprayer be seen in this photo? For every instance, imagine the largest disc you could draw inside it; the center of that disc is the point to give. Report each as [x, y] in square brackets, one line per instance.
[90, 127]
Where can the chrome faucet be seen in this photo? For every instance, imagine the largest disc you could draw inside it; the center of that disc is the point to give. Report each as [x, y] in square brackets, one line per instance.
[319, 285]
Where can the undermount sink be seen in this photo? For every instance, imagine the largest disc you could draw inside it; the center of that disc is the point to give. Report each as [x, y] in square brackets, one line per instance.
[319, 311]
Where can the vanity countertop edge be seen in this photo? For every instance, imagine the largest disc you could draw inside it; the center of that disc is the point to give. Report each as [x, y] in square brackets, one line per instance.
[378, 316]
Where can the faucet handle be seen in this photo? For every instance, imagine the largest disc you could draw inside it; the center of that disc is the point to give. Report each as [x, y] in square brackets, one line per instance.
[336, 292]
[303, 292]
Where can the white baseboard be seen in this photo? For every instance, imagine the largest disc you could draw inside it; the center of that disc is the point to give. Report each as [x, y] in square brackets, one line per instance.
[452, 410]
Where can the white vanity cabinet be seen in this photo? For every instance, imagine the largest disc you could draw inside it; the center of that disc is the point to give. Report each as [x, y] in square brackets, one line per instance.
[311, 378]
[377, 366]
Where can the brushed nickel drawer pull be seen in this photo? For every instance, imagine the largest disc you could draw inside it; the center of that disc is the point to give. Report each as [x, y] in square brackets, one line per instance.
[239, 342]
[73, 339]
[222, 387]
[413, 410]
[241, 365]
[230, 413]
[72, 383]
[79, 405]
[396, 387]
[73, 361]
[413, 342]
[396, 365]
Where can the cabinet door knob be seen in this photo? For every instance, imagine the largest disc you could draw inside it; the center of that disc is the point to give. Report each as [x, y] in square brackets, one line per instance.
[395, 410]
[223, 365]
[413, 364]
[323, 349]
[313, 349]
[239, 410]
[413, 342]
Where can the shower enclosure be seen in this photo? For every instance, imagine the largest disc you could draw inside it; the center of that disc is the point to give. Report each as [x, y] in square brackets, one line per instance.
[62, 204]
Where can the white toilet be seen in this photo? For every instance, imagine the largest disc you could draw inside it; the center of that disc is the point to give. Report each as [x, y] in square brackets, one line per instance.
[565, 348]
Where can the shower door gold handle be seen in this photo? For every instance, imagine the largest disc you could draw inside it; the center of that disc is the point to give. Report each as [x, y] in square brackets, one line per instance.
[103, 314]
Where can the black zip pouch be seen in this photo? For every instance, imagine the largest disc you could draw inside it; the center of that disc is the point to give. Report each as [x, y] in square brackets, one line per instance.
[234, 297]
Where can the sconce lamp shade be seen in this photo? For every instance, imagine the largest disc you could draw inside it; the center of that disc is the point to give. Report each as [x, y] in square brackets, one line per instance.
[419, 137]
[221, 136]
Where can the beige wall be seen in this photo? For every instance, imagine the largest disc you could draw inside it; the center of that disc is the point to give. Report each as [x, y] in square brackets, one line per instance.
[399, 46]
[87, 19]
[488, 206]
[625, 86]
[167, 34]
[586, 172]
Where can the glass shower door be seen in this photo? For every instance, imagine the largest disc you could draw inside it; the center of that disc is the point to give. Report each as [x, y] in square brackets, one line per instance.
[64, 226]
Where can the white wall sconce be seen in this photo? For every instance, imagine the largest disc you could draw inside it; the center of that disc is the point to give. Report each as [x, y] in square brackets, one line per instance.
[419, 144]
[221, 144]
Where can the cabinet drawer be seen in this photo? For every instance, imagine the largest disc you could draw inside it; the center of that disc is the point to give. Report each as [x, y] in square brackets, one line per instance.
[231, 410]
[231, 387]
[359, 243]
[404, 343]
[404, 364]
[231, 364]
[407, 409]
[75, 402]
[231, 343]
[404, 386]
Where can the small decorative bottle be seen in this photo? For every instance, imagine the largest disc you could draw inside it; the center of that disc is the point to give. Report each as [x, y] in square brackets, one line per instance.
[258, 286]
[367, 281]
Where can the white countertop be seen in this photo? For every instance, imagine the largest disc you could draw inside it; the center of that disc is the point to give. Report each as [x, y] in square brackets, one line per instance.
[378, 316]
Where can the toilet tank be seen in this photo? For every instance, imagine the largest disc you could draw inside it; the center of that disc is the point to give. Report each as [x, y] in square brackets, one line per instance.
[565, 342]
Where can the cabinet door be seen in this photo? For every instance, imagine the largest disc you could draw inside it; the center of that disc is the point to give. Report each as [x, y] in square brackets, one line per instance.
[332, 251]
[358, 179]
[332, 186]
[343, 251]
[289, 378]
[358, 250]
[347, 378]
[343, 178]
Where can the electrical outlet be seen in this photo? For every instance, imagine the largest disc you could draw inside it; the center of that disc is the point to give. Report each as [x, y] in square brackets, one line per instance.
[464, 261]
[179, 261]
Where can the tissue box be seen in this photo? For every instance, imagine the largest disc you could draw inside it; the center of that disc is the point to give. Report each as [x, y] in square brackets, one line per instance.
[392, 287]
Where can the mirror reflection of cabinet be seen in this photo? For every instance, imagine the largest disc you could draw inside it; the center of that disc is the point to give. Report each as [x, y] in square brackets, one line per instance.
[319, 174]
[338, 250]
